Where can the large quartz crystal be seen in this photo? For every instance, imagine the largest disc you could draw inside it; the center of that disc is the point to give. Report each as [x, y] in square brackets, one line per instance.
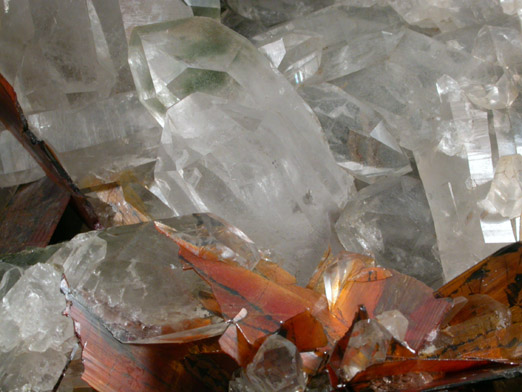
[391, 221]
[238, 140]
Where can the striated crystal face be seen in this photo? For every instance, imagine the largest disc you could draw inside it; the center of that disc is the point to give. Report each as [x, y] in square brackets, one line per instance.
[240, 143]
[391, 221]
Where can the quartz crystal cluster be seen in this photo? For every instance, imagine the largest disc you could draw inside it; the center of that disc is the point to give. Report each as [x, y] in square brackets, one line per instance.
[297, 195]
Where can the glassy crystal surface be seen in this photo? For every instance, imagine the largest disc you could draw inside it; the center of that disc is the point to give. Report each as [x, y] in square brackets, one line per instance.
[100, 140]
[131, 277]
[36, 338]
[240, 143]
[356, 134]
[208, 8]
[276, 366]
[138, 13]
[368, 344]
[330, 43]
[391, 221]
[66, 55]
[273, 12]
[505, 195]
[17, 166]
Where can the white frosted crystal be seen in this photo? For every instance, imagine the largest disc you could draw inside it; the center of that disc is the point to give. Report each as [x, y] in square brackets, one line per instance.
[505, 194]
[241, 143]
[391, 221]
[277, 367]
[36, 338]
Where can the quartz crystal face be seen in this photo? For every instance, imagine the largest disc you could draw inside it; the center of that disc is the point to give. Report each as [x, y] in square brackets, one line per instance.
[391, 221]
[237, 141]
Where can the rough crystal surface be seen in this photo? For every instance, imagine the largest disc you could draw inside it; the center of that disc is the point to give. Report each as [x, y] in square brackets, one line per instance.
[35, 336]
[391, 221]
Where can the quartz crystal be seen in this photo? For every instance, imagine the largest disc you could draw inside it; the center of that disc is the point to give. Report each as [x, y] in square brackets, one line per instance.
[272, 12]
[367, 346]
[67, 55]
[245, 147]
[275, 367]
[330, 43]
[357, 135]
[505, 195]
[35, 336]
[391, 221]
[132, 278]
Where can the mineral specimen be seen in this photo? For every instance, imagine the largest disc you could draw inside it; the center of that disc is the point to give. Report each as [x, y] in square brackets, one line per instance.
[246, 148]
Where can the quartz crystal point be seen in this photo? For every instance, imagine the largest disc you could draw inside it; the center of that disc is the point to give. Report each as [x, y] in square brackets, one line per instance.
[357, 135]
[60, 54]
[276, 367]
[35, 337]
[391, 221]
[330, 43]
[131, 277]
[138, 13]
[94, 143]
[240, 143]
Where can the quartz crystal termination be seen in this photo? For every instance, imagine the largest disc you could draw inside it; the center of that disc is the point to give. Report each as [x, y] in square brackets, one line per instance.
[237, 139]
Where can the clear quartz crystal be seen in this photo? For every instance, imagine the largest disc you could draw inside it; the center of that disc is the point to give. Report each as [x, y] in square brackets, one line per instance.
[357, 135]
[391, 221]
[505, 195]
[333, 42]
[277, 367]
[36, 338]
[238, 141]
[131, 277]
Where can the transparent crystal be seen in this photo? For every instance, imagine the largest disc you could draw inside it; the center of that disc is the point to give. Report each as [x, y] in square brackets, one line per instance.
[272, 12]
[391, 221]
[368, 344]
[330, 43]
[394, 322]
[131, 277]
[505, 195]
[277, 367]
[36, 338]
[241, 143]
[208, 8]
[357, 135]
